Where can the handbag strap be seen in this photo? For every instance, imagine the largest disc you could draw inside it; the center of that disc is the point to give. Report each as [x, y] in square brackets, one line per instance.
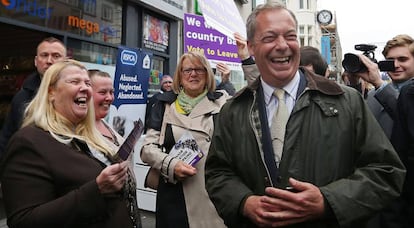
[164, 125]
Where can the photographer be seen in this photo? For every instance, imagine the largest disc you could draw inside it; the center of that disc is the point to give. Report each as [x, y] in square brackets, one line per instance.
[383, 103]
[383, 99]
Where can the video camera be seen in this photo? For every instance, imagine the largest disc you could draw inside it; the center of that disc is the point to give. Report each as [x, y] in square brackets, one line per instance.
[353, 64]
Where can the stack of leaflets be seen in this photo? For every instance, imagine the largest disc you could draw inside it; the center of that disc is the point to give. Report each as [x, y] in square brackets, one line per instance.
[187, 150]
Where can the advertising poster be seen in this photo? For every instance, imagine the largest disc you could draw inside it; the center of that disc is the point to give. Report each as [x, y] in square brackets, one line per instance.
[156, 33]
[224, 16]
[217, 47]
[130, 89]
[326, 48]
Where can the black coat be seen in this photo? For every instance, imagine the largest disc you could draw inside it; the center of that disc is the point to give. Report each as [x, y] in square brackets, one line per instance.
[403, 141]
[14, 119]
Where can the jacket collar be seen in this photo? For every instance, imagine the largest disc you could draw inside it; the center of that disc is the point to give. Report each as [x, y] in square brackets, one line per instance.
[32, 82]
[308, 80]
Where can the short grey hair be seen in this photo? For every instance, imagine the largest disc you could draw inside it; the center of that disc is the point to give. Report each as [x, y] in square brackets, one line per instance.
[251, 20]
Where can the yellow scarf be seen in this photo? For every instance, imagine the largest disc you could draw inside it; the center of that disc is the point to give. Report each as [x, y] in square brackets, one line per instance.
[185, 104]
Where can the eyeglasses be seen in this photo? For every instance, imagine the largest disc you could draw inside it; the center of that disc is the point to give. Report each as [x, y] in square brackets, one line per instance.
[198, 71]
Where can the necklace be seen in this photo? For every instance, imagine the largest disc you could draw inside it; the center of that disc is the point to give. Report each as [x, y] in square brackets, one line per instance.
[113, 137]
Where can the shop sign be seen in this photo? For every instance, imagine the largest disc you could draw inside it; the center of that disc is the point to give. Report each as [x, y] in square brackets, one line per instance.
[90, 26]
[31, 8]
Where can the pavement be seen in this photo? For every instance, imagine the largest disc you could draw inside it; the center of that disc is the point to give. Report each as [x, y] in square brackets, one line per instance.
[147, 217]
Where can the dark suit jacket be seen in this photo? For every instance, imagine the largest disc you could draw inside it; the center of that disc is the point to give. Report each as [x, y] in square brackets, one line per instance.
[382, 104]
[50, 184]
[403, 142]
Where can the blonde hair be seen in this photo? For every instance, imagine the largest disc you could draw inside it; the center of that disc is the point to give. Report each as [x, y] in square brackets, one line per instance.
[41, 113]
[194, 57]
[401, 40]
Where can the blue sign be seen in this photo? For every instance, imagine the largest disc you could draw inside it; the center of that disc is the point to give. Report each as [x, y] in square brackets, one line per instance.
[326, 48]
[131, 76]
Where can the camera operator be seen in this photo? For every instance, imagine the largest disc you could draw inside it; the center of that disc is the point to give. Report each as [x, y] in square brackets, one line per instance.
[383, 99]
[383, 103]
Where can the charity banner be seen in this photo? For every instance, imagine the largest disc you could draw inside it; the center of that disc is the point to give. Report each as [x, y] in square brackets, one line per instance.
[131, 76]
[223, 16]
[200, 37]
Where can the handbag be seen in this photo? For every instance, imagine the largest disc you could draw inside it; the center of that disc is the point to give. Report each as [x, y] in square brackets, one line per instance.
[153, 175]
[152, 178]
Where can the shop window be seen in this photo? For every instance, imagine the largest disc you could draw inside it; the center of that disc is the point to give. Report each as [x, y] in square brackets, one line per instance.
[155, 33]
[157, 71]
[106, 12]
[89, 7]
[93, 53]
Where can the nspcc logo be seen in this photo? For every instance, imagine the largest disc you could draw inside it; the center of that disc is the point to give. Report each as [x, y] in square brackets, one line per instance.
[129, 57]
[31, 8]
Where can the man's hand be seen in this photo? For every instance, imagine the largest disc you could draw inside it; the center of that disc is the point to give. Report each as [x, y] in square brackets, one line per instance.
[282, 207]
[241, 44]
[372, 75]
[255, 209]
[224, 70]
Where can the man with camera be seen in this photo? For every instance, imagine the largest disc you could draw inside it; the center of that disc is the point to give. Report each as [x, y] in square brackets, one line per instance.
[383, 103]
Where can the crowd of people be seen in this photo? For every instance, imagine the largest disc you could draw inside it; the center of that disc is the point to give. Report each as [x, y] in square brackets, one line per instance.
[292, 148]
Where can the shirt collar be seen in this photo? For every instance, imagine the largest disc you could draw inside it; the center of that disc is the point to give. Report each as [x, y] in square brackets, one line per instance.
[399, 85]
[291, 88]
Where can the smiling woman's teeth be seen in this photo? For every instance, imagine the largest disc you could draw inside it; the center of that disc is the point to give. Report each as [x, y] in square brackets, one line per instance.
[80, 100]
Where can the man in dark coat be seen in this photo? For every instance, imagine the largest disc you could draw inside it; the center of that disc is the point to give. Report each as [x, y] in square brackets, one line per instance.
[338, 179]
[49, 51]
[402, 139]
[165, 86]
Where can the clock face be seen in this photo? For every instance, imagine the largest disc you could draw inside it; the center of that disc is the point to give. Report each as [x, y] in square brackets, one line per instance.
[324, 17]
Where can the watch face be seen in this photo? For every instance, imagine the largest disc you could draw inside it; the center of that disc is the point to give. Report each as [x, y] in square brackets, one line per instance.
[324, 17]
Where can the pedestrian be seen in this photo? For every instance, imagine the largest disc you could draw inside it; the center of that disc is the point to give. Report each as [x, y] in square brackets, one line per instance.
[49, 51]
[58, 170]
[165, 86]
[294, 148]
[182, 200]
[401, 213]
[383, 99]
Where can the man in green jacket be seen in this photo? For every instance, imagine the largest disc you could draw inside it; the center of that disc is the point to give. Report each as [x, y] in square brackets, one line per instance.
[337, 167]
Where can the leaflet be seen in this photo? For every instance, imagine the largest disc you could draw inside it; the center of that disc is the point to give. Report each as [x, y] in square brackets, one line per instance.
[128, 146]
[187, 150]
